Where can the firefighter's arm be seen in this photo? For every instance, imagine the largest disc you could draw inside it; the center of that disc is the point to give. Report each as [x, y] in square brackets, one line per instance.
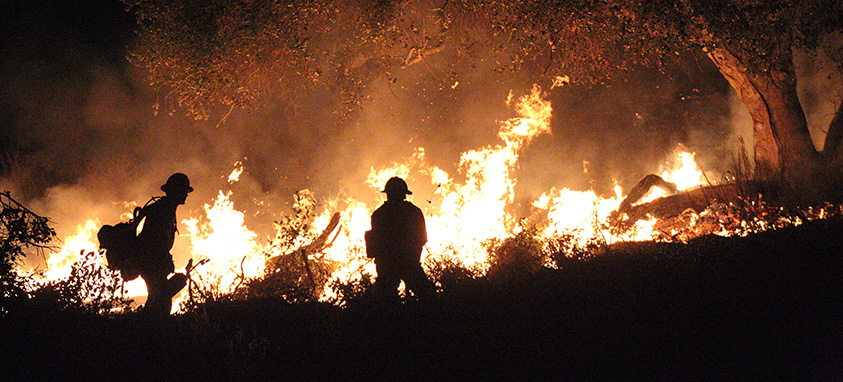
[420, 230]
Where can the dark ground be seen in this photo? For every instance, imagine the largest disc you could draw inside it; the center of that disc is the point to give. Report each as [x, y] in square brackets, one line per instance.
[764, 307]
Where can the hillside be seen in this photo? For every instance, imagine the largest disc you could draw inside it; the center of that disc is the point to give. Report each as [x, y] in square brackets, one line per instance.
[765, 306]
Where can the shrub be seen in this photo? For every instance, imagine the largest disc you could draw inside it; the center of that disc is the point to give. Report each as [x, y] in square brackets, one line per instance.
[354, 290]
[564, 249]
[515, 256]
[449, 271]
[90, 287]
[296, 270]
[21, 232]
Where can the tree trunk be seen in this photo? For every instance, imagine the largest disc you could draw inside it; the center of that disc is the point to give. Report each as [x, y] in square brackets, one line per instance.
[831, 149]
[783, 146]
[833, 154]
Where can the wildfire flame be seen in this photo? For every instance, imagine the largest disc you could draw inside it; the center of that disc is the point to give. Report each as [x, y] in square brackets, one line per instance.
[460, 216]
[223, 238]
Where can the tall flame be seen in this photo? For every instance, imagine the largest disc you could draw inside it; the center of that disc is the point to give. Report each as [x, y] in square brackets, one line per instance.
[460, 216]
[231, 248]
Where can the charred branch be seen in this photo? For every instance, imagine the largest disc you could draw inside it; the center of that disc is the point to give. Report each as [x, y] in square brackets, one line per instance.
[642, 188]
[321, 242]
[303, 254]
[416, 55]
[678, 211]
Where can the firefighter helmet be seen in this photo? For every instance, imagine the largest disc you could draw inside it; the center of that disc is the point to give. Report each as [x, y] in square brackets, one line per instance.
[177, 182]
[396, 185]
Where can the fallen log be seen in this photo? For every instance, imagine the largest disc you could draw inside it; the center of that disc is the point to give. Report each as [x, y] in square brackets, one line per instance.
[697, 199]
[679, 210]
[642, 188]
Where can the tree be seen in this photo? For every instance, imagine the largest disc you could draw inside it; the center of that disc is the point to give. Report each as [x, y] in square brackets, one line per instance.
[21, 231]
[228, 52]
[751, 42]
[208, 53]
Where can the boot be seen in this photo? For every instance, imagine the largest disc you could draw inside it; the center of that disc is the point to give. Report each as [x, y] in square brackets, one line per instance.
[175, 284]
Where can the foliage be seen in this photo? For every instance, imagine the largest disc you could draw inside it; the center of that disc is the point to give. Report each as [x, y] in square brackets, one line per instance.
[210, 52]
[592, 40]
[230, 52]
[515, 256]
[21, 232]
[218, 52]
[293, 277]
[449, 271]
[202, 291]
[294, 230]
[90, 287]
[350, 291]
[295, 269]
[564, 249]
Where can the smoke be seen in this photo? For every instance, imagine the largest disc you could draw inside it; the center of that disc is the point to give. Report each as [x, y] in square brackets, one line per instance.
[85, 137]
[742, 126]
[819, 88]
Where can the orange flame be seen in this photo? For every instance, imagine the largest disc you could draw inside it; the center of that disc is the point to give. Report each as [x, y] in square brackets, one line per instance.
[460, 217]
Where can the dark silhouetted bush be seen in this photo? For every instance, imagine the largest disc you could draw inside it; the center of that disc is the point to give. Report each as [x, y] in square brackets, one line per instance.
[21, 232]
[515, 256]
[90, 287]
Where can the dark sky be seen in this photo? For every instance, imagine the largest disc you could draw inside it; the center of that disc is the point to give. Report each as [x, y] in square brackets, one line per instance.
[53, 55]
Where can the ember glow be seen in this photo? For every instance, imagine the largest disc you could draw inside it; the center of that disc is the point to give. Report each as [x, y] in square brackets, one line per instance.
[461, 214]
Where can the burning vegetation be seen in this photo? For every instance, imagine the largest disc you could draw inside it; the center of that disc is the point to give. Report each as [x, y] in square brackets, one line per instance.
[543, 267]
[317, 252]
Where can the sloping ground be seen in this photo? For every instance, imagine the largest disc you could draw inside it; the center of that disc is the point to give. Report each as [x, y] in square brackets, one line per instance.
[768, 306]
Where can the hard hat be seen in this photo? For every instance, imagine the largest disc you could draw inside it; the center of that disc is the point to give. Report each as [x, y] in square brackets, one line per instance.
[177, 182]
[396, 185]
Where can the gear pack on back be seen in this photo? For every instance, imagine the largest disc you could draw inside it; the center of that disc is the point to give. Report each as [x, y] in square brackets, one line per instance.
[120, 243]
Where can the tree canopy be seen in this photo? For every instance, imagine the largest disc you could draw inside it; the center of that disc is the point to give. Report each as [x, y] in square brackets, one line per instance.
[217, 52]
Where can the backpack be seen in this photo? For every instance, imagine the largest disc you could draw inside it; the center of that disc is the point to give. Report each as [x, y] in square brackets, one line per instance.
[120, 242]
[374, 244]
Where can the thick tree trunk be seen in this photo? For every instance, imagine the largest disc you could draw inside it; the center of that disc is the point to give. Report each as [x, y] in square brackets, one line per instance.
[831, 148]
[783, 146]
[833, 154]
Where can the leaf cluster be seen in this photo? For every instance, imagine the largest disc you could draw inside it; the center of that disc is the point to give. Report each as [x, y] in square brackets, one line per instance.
[592, 41]
[515, 256]
[217, 52]
[211, 52]
[761, 33]
[21, 232]
[291, 231]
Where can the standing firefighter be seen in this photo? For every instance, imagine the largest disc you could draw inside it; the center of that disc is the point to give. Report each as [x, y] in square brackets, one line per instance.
[156, 240]
[395, 242]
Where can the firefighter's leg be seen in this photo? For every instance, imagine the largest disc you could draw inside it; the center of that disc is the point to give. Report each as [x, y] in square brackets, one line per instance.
[175, 284]
[158, 302]
[386, 284]
[418, 282]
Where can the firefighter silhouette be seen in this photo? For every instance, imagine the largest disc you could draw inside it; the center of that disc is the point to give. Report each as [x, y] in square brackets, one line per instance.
[155, 241]
[396, 241]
